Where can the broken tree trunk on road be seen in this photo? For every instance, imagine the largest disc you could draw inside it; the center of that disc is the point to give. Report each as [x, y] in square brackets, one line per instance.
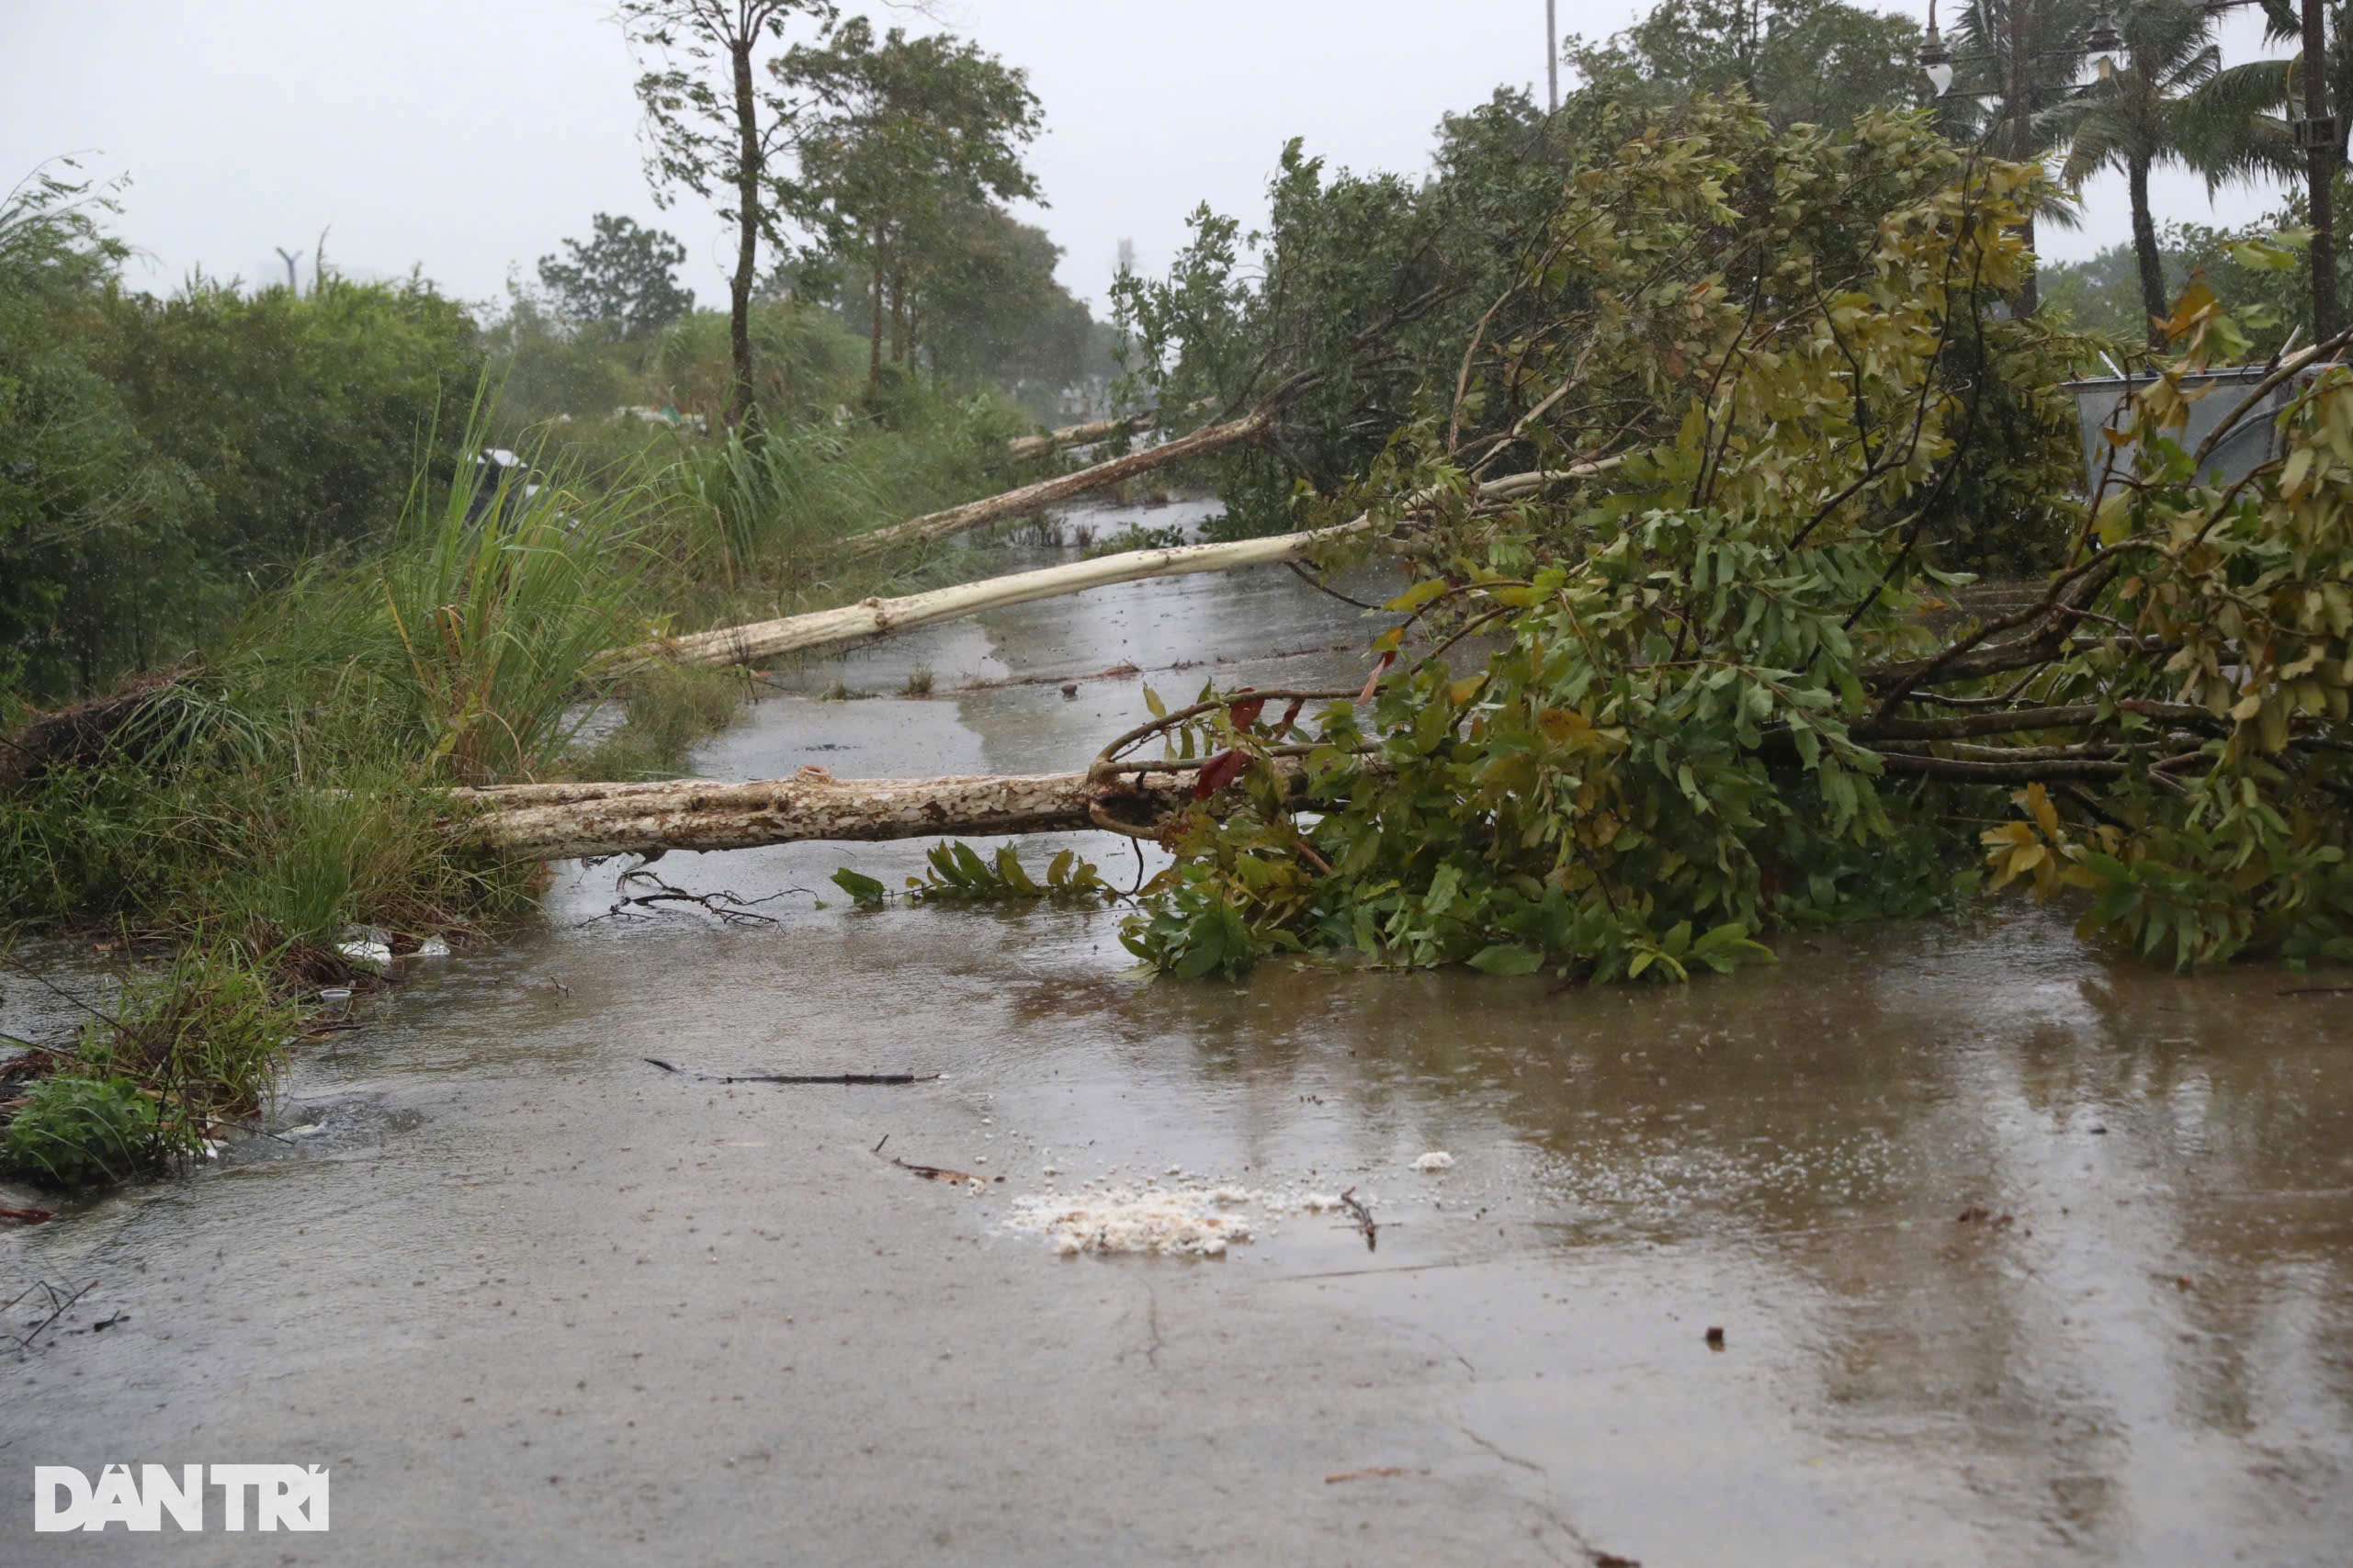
[877, 617]
[558, 822]
[1202, 442]
[1210, 438]
[1024, 447]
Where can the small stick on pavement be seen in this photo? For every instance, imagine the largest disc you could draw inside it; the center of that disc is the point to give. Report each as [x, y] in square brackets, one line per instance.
[792, 1077]
[1363, 1218]
[60, 1307]
[1370, 1471]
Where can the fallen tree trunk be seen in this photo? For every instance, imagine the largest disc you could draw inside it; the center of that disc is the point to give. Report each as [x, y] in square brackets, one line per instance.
[1062, 487]
[1028, 446]
[1201, 443]
[557, 821]
[876, 617]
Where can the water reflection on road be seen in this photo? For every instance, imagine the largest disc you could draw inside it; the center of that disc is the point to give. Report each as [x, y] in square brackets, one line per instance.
[2020, 1255]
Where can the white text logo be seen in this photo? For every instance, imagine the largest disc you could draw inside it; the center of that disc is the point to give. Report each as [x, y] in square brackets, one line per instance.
[282, 1496]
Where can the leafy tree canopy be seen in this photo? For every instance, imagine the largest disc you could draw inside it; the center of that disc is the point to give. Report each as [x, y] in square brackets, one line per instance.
[626, 276]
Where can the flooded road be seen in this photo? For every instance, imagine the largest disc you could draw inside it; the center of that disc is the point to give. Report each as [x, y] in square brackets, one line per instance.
[2020, 1254]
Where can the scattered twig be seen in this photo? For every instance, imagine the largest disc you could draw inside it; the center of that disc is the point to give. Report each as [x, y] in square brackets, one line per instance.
[793, 1077]
[732, 908]
[59, 1306]
[1364, 1217]
[28, 1217]
[1370, 1471]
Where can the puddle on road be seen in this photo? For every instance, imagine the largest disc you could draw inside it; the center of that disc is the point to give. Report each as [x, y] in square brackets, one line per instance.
[2020, 1254]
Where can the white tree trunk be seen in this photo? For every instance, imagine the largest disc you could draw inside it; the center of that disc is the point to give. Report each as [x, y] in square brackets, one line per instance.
[1062, 487]
[1026, 446]
[556, 821]
[876, 617]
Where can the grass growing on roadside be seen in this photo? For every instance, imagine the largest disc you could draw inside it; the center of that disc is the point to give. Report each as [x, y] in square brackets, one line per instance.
[286, 785]
[182, 1051]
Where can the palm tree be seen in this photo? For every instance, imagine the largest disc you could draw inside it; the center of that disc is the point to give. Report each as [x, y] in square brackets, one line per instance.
[2168, 100]
[2018, 57]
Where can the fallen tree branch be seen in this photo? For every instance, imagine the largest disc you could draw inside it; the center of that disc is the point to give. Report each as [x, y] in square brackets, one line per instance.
[560, 821]
[86, 733]
[1202, 442]
[557, 821]
[1024, 447]
[880, 617]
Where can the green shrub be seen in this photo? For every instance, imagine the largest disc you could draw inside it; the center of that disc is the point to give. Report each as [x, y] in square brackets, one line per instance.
[81, 1131]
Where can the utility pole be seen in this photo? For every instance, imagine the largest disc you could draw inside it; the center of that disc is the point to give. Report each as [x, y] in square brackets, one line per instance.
[1551, 60]
[2317, 131]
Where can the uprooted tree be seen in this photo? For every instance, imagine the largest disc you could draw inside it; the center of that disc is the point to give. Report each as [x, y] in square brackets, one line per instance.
[1717, 685]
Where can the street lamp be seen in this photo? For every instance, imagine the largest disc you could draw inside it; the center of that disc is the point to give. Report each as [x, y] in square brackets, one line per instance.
[1934, 58]
[2101, 42]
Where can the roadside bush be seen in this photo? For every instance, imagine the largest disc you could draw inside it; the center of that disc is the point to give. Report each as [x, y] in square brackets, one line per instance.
[77, 1131]
[185, 1049]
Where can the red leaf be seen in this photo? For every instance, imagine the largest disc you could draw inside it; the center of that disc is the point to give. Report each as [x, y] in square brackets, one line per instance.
[1373, 681]
[1220, 771]
[1245, 714]
[1291, 714]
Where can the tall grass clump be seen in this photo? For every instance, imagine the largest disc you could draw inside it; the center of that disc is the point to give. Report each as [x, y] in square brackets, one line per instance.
[765, 509]
[468, 649]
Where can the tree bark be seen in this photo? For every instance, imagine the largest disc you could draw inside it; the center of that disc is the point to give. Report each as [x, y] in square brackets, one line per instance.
[2145, 247]
[747, 225]
[1046, 492]
[2321, 173]
[877, 617]
[558, 822]
[1025, 447]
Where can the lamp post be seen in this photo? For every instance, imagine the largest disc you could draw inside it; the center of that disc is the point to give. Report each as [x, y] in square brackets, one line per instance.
[1552, 59]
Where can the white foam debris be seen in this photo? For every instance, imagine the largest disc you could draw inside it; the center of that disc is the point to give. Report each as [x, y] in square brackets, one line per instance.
[432, 947]
[1124, 1220]
[1436, 1159]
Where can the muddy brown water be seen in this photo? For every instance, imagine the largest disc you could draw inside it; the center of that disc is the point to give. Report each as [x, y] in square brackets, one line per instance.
[536, 1302]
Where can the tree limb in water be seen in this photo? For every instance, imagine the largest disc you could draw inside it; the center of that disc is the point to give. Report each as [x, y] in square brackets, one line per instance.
[1210, 438]
[1021, 503]
[877, 617]
[1026, 446]
[558, 822]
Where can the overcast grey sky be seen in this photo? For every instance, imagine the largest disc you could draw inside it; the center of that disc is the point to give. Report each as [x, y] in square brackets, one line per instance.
[469, 136]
